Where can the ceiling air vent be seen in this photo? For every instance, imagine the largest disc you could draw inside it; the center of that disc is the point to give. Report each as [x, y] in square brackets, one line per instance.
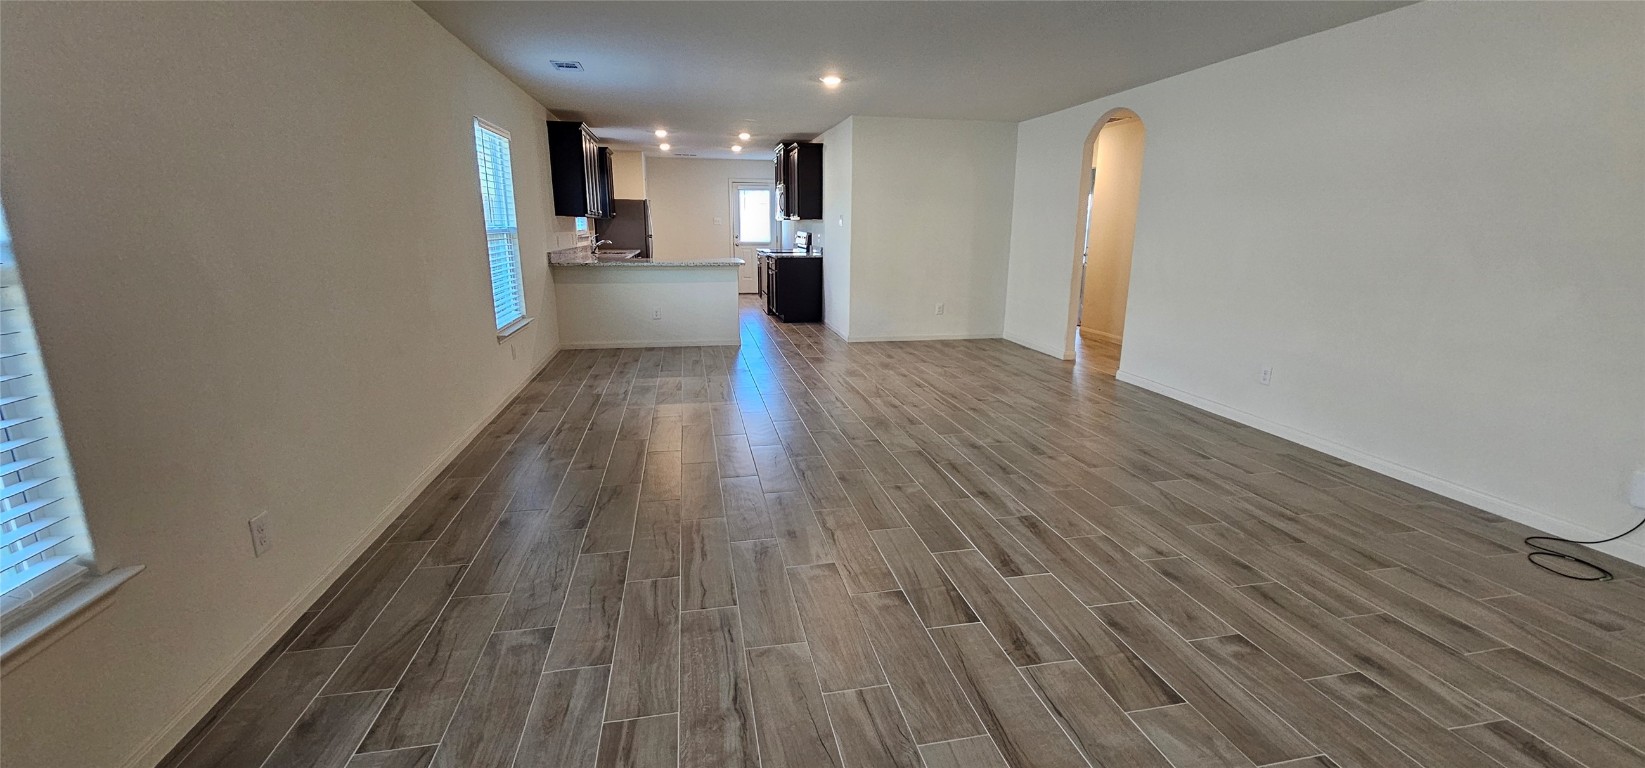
[567, 66]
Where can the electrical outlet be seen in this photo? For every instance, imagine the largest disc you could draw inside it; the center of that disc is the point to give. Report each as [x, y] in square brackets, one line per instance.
[940, 308]
[260, 540]
[1636, 490]
[1266, 377]
[656, 313]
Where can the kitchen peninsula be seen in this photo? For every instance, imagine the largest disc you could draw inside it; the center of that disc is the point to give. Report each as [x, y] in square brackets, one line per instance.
[615, 300]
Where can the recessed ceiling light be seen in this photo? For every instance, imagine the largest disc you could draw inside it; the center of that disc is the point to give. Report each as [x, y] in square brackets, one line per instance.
[736, 147]
[832, 81]
[744, 136]
[665, 147]
[661, 133]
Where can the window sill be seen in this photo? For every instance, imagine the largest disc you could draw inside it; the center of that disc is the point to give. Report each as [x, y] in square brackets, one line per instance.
[509, 330]
[19, 641]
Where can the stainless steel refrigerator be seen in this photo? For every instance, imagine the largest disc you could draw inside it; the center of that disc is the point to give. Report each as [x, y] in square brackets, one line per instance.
[629, 227]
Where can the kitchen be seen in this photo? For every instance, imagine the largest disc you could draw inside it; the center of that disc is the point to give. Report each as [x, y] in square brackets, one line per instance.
[666, 243]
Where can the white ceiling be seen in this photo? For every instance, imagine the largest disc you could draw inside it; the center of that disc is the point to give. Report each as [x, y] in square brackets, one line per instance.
[706, 70]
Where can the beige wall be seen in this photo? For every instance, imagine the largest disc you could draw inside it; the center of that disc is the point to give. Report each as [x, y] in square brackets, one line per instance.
[833, 233]
[628, 175]
[1427, 222]
[1113, 226]
[691, 204]
[252, 241]
[928, 222]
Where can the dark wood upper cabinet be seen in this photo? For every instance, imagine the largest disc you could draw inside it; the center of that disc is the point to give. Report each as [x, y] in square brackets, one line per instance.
[607, 191]
[799, 179]
[580, 170]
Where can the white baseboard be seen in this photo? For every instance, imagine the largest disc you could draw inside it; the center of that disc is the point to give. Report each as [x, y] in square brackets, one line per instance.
[730, 342]
[1056, 352]
[1631, 551]
[152, 751]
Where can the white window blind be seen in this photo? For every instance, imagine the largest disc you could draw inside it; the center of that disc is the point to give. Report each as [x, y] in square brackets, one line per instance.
[502, 229]
[43, 540]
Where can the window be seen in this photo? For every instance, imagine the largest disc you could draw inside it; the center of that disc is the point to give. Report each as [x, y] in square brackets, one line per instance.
[754, 215]
[43, 541]
[502, 229]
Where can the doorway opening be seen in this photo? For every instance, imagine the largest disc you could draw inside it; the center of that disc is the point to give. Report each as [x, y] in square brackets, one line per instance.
[1113, 183]
[753, 226]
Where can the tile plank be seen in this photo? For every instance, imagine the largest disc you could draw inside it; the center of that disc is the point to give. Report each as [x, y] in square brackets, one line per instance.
[1246, 721]
[716, 715]
[1024, 637]
[1349, 741]
[540, 591]
[649, 742]
[1098, 726]
[645, 665]
[428, 692]
[923, 581]
[974, 752]
[930, 697]
[385, 651]
[251, 728]
[587, 630]
[870, 729]
[656, 550]
[1187, 740]
[328, 732]
[768, 613]
[1025, 731]
[790, 717]
[356, 606]
[564, 728]
[839, 648]
[705, 565]
[489, 720]
[1120, 672]
[859, 559]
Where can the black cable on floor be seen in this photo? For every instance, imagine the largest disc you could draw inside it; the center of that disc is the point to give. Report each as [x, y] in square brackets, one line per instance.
[1542, 550]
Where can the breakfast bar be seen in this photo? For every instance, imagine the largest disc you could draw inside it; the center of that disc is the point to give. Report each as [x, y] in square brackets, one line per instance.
[613, 299]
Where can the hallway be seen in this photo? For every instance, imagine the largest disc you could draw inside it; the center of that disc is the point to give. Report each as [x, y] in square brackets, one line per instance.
[799, 552]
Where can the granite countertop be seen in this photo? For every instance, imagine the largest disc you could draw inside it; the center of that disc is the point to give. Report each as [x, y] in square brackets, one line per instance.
[583, 257]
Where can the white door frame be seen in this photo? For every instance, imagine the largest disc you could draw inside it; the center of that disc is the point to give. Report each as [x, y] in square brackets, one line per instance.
[748, 274]
[770, 187]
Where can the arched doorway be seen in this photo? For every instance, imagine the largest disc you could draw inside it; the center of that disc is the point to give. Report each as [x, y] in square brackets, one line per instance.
[1112, 170]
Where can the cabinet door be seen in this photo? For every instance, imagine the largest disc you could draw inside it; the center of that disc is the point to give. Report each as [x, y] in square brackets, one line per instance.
[591, 174]
[780, 164]
[806, 184]
[791, 179]
[568, 167]
[605, 183]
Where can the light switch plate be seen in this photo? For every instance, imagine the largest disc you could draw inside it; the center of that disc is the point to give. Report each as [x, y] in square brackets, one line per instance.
[1636, 490]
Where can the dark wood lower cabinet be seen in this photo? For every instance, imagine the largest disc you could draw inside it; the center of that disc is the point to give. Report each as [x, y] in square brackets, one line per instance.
[792, 288]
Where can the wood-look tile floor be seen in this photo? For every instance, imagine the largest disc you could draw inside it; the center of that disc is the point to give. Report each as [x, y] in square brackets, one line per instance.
[803, 553]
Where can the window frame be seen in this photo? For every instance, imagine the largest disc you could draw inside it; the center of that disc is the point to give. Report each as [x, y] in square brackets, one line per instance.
[37, 612]
[508, 326]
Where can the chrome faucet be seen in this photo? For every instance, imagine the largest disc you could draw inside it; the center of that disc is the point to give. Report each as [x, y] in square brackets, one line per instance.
[598, 243]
